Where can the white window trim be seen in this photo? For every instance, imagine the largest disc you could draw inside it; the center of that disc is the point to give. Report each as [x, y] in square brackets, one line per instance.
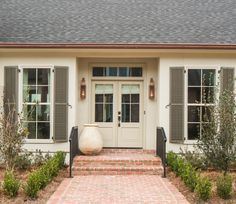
[20, 101]
[186, 68]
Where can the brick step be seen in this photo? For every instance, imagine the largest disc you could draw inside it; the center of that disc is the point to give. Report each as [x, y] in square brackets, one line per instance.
[125, 151]
[118, 159]
[117, 170]
[117, 163]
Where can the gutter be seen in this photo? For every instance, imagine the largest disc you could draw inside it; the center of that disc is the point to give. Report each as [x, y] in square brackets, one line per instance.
[117, 46]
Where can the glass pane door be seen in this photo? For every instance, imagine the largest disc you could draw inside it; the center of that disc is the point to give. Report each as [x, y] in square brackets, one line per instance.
[130, 100]
[104, 103]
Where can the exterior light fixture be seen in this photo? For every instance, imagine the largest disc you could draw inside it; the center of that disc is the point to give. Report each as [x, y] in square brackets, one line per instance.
[151, 89]
[82, 89]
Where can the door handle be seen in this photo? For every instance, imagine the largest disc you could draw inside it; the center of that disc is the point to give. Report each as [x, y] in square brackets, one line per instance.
[118, 120]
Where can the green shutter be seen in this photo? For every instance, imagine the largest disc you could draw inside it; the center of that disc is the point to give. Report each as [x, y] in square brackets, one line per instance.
[227, 79]
[10, 88]
[176, 104]
[60, 133]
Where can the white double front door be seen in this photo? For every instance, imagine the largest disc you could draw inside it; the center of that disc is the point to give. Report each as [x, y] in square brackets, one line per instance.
[117, 107]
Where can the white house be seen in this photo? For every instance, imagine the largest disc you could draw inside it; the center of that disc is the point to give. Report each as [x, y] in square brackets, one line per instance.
[128, 66]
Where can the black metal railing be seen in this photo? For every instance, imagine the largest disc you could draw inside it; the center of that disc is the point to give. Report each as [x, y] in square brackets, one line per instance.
[74, 146]
[161, 147]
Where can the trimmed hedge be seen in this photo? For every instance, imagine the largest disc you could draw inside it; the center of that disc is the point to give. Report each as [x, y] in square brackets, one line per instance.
[39, 178]
[189, 175]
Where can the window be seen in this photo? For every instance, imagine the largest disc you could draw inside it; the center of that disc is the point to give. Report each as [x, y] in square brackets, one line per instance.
[117, 71]
[200, 91]
[37, 102]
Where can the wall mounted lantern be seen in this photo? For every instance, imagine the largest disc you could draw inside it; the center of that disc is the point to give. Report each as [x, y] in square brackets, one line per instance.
[151, 89]
[82, 89]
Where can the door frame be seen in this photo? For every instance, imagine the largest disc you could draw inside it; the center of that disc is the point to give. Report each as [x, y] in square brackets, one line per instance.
[119, 63]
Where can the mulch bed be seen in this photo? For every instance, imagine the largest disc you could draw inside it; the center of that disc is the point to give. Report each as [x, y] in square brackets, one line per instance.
[43, 195]
[192, 197]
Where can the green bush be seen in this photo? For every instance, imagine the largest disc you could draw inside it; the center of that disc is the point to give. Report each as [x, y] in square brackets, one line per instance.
[224, 186]
[60, 157]
[39, 159]
[184, 169]
[189, 176]
[203, 188]
[33, 185]
[196, 159]
[24, 160]
[10, 184]
[171, 157]
[179, 166]
[175, 162]
[42, 176]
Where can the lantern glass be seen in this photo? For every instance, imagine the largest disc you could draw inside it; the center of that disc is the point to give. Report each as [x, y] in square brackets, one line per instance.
[82, 89]
[151, 89]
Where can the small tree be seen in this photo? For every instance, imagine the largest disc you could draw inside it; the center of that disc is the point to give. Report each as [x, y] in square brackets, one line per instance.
[218, 138]
[12, 135]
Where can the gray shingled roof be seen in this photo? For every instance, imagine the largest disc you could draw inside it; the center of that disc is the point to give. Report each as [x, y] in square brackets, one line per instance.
[118, 21]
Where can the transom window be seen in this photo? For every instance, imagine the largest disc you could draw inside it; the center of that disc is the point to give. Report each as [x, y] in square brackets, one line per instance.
[117, 71]
[201, 91]
[36, 102]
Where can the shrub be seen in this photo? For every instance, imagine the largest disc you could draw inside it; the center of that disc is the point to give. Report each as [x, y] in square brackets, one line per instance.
[196, 159]
[10, 184]
[40, 159]
[12, 134]
[224, 186]
[218, 138]
[33, 185]
[189, 176]
[171, 157]
[175, 162]
[179, 166]
[203, 188]
[23, 161]
[42, 176]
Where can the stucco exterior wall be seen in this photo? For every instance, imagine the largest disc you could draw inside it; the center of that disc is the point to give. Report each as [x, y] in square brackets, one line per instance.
[157, 66]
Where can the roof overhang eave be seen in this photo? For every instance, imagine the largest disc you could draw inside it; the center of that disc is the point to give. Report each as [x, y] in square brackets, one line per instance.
[117, 46]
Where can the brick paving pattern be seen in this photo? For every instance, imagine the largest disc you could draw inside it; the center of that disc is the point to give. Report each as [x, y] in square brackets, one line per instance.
[121, 189]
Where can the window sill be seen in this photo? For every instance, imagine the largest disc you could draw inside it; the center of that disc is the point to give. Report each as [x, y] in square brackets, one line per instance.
[39, 141]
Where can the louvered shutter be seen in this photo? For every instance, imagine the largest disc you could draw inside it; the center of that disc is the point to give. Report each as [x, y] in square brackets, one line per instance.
[177, 104]
[227, 79]
[10, 89]
[60, 133]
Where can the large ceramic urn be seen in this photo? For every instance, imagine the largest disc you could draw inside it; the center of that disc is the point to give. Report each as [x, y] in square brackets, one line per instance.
[90, 141]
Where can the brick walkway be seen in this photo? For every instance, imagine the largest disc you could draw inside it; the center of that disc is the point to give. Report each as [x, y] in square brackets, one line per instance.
[121, 189]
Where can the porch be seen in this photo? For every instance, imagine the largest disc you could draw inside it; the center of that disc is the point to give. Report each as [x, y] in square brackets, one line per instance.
[117, 161]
